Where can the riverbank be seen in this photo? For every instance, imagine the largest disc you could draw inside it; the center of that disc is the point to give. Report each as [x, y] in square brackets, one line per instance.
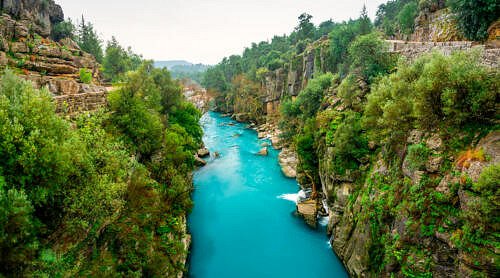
[243, 220]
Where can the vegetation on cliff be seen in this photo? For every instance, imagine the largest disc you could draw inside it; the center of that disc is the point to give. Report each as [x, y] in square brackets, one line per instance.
[397, 148]
[105, 193]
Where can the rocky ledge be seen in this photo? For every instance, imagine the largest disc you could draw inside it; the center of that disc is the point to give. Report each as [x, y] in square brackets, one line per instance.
[53, 65]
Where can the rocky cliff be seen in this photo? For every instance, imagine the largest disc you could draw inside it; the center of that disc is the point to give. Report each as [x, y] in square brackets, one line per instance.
[447, 174]
[25, 46]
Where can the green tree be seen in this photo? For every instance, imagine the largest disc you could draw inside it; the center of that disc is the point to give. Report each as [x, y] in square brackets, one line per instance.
[475, 16]
[18, 231]
[406, 18]
[88, 40]
[305, 29]
[369, 55]
[62, 30]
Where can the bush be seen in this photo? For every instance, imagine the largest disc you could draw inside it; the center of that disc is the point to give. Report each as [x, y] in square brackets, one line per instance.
[38, 150]
[434, 90]
[350, 92]
[62, 30]
[85, 76]
[417, 157]
[18, 231]
[350, 143]
[309, 99]
[369, 55]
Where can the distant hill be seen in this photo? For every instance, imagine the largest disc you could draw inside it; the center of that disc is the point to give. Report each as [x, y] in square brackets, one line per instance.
[182, 69]
[171, 63]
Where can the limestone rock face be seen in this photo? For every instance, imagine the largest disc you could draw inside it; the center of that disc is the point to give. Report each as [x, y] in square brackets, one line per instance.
[42, 14]
[437, 26]
[308, 209]
[49, 64]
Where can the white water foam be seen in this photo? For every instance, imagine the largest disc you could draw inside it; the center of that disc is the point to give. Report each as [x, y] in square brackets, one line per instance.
[329, 244]
[289, 197]
[323, 221]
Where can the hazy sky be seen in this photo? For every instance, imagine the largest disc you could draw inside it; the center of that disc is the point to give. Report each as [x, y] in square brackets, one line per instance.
[204, 31]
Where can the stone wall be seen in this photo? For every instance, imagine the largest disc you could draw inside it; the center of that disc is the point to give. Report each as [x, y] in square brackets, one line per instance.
[412, 50]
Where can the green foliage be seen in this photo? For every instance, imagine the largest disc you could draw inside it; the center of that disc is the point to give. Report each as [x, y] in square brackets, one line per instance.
[452, 90]
[370, 57]
[88, 40]
[85, 76]
[350, 92]
[18, 231]
[62, 30]
[350, 143]
[309, 99]
[479, 225]
[118, 61]
[475, 16]
[397, 17]
[306, 151]
[406, 18]
[70, 187]
[305, 29]
[417, 157]
[341, 37]
[35, 144]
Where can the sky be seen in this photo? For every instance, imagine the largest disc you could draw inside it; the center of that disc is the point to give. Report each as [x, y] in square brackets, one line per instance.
[204, 31]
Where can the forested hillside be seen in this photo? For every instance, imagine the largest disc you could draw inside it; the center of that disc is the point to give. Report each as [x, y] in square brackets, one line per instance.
[100, 190]
[401, 148]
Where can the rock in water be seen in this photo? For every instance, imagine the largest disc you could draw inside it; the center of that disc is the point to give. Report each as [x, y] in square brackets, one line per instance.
[204, 152]
[199, 162]
[288, 162]
[263, 152]
[308, 209]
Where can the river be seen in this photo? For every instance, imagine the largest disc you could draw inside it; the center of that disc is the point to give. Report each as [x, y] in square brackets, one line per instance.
[243, 222]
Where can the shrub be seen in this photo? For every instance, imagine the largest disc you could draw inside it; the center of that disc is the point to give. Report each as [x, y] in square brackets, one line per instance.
[417, 157]
[434, 90]
[350, 92]
[350, 143]
[309, 99]
[18, 231]
[369, 54]
[38, 149]
[62, 30]
[85, 76]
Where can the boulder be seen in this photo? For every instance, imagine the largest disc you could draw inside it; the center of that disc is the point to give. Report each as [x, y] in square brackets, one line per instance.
[3, 59]
[433, 164]
[288, 162]
[415, 136]
[308, 209]
[199, 162]
[434, 142]
[263, 152]
[276, 141]
[19, 47]
[203, 152]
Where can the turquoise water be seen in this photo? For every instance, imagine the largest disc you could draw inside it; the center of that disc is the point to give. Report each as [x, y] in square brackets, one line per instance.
[242, 223]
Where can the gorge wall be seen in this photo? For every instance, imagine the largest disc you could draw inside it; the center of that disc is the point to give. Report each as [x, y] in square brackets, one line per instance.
[26, 48]
[351, 205]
